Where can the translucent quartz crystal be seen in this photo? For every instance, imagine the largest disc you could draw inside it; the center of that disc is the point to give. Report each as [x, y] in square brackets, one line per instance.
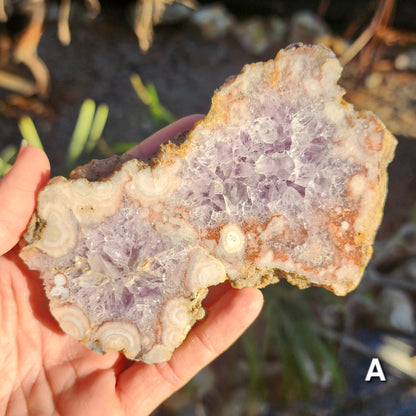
[282, 179]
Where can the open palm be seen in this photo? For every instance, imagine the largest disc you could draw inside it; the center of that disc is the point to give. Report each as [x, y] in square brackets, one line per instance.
[44, 371]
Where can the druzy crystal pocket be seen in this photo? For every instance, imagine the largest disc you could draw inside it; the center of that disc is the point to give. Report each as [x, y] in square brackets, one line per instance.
[282, 179]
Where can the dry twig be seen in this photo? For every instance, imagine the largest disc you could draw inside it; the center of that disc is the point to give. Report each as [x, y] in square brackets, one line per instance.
[17, 84]
[64, 34]
[3, 14]
[148, 14]
[378, 33]
[26, 45]
[384, 9]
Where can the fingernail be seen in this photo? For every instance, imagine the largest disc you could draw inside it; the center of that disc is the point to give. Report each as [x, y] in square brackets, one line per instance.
[23, 144]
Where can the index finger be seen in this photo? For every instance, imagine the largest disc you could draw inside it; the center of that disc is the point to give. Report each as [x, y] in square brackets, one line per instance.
[149, 146]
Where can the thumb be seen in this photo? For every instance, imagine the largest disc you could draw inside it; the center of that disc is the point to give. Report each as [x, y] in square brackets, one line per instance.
[18, 194]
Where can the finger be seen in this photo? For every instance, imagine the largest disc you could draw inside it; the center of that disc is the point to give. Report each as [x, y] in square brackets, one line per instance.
[151, 145]
[215, 292]
[144, 387]
[18, 193]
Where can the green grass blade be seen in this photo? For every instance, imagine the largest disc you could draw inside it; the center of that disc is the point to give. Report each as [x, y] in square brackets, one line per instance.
[148, 95]
[9, 153]
[4, 167]
[122, 147]
[329, 357]
[140, 89]
[28, 131]
[98, 124]
[81, 131]
[296, 347]
[159, 113]
[255, 362]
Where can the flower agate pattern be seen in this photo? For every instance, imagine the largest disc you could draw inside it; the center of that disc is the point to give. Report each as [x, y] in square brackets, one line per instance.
[282, 179]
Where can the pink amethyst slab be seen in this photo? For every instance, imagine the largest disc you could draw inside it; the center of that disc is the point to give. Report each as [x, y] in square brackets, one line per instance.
[282, 179]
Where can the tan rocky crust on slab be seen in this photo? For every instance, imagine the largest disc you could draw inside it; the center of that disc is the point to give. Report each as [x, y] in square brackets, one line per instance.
[282, 179]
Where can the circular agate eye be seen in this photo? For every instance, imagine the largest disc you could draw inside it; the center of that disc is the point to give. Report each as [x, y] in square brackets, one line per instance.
[72, 320]
[119, 336]
[232, 240]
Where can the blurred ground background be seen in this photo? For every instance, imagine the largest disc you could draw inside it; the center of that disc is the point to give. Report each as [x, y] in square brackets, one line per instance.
[309, 352]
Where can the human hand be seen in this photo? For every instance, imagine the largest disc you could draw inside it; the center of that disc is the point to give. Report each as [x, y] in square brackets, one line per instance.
[43, 370]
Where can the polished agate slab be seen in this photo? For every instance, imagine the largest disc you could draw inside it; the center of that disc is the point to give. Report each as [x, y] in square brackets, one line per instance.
[282, 179]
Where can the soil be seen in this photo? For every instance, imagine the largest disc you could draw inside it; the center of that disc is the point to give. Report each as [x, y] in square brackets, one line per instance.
[184, 68]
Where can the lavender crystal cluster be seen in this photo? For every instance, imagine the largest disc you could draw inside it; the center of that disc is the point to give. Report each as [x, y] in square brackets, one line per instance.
[118, 248]
[279, 161]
